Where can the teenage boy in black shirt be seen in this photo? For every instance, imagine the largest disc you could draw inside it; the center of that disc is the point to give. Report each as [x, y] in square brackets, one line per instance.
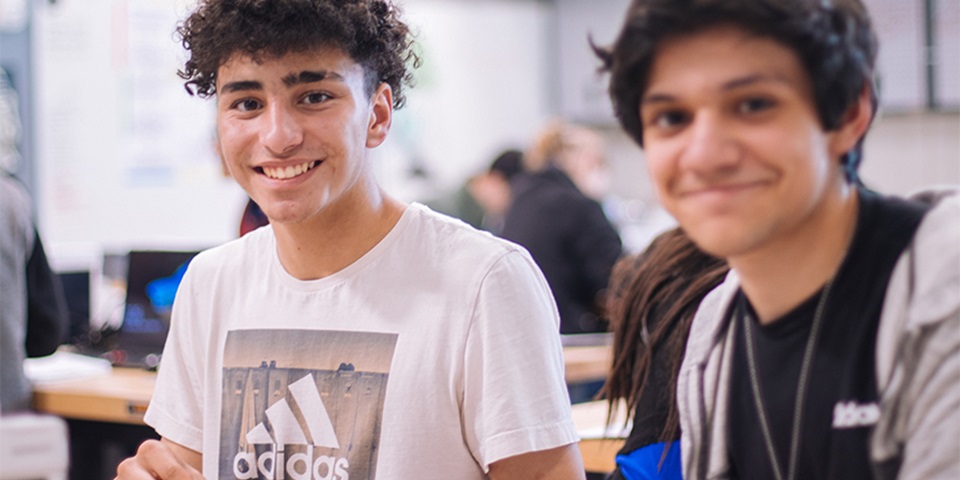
[831, 350]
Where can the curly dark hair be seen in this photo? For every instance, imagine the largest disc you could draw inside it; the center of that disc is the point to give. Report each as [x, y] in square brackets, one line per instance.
[369, 31]
[833, 39]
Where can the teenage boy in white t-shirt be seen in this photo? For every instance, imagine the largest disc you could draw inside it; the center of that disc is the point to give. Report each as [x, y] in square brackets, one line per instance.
[355, 336]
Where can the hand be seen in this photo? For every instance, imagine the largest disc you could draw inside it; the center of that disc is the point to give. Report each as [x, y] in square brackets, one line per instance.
[163, 460]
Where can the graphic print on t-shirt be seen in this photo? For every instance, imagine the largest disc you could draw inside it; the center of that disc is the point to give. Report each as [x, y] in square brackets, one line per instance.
[303, 404]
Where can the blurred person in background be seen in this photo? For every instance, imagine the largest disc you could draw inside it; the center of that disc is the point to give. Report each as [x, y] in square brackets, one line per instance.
[483, 199]
[653, 297]
[555, 216]
[33, 312]
[491, 189]
[252, 218]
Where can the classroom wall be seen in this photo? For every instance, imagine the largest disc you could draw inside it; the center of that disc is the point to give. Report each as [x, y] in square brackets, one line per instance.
[483, 87]
[124, 157]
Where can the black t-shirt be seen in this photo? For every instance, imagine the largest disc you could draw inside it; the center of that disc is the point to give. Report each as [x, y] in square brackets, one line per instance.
[842, 401]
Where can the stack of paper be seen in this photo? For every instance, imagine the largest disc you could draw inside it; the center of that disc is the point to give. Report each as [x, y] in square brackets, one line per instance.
[63, 365]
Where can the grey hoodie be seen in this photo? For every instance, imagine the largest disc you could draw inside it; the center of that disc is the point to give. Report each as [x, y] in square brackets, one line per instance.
[917, 364]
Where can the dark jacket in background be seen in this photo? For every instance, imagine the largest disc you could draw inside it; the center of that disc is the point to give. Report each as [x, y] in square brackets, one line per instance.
[33, 315]
[571, 240]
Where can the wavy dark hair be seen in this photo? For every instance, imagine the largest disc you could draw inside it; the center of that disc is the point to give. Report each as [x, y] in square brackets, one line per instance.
[833, 39]
[369, 31]
[652, 300]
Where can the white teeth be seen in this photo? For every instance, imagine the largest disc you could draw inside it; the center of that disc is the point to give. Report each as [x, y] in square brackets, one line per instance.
[281, 173]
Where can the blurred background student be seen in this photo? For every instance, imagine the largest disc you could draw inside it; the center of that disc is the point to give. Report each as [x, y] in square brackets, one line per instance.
[555, 215]
[653, 297]
[491, 189]
[483, 199]
[33, 313]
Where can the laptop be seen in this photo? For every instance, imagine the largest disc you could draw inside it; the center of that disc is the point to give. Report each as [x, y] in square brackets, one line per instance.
[153, 277]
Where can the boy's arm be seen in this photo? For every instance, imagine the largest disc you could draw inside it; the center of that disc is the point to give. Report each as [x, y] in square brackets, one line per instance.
[560, 463]
[164, 460]
[926, 379]
[932, 406]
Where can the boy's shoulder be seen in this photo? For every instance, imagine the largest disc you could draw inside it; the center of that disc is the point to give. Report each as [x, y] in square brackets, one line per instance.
[238, 253]
[932, 262]
[422, 238]
[446, 236]
[442, 227]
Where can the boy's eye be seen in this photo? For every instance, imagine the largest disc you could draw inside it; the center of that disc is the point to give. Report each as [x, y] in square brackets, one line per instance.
[751, 105]
[246, 105]
[669, 118]
[315, 97]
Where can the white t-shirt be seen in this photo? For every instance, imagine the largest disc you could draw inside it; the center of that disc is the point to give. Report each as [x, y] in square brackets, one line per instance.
[432, 356]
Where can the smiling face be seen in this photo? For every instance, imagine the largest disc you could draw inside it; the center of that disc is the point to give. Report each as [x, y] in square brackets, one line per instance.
[295, 131]
[734, 144]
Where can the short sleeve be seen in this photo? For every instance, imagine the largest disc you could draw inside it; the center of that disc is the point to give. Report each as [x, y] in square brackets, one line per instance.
[176, 410]
[515, 399]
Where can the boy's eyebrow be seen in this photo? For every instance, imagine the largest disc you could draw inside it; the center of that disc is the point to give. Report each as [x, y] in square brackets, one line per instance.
[306, 76]
[310, 76]
[241, 85]
[730, 85]
[652, 98]
[755, 78]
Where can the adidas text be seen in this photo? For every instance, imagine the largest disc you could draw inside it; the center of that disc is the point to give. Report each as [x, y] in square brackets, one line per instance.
[298, 466]
[853, 415]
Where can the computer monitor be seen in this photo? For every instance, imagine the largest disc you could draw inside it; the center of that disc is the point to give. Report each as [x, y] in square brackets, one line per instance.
[153, 278]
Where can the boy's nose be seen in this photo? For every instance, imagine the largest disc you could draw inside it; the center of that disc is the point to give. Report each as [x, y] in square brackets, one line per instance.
[282, 133]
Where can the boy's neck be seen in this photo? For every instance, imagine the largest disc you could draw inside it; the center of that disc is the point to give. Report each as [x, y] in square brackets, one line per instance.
[780, 276]
[338, 237]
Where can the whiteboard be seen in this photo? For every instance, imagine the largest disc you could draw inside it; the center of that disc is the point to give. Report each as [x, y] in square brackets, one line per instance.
[125, 157]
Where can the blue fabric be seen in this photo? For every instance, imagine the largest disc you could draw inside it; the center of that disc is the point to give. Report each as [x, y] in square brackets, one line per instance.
[643, 463]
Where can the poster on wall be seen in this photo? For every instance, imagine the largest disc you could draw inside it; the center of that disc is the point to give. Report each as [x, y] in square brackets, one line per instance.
[125, 155]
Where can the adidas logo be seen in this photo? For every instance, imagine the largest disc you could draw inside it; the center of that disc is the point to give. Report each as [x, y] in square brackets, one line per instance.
[853, 415]
[287, 430]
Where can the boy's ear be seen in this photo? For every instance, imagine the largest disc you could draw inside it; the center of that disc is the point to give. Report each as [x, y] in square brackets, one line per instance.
[381, 115]
[853, 126]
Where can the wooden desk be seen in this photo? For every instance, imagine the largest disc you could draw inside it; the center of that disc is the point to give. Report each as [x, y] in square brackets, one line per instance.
[104, 417]
[120, 397]
[586, 364]
[123, 396]
[599, 444]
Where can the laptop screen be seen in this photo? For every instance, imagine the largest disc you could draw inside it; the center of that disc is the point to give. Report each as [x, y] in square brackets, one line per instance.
[152, 281]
